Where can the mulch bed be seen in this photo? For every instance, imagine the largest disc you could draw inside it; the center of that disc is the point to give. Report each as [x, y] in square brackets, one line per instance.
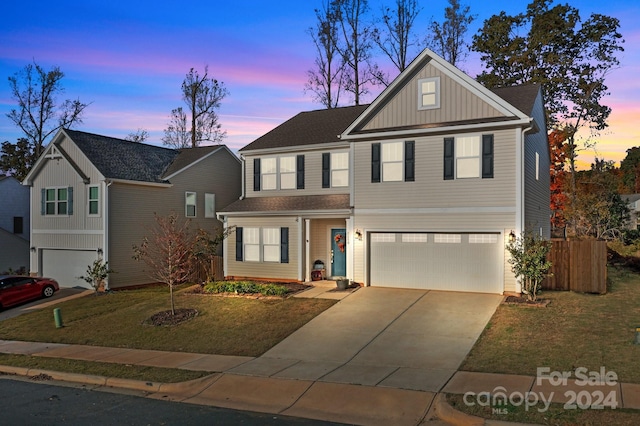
[165, 319]
[523, 301]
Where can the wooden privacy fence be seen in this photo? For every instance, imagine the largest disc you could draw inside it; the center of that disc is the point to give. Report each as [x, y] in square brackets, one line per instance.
[203, 269]
[578, 265]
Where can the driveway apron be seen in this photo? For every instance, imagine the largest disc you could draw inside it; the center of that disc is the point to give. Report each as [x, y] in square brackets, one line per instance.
[411, 339]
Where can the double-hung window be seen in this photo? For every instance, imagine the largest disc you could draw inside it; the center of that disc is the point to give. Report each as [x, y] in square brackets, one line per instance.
[467, 157]
[269, 173]
[393, 161]
[190, 204]
[287, 172]
[268, 244]
[335, 169]
[429, 93]
[94, 200]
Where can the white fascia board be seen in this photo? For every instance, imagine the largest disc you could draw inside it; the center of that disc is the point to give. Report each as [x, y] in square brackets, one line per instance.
[28, 180]
[302, 213]
[445, 129]
[294, 149]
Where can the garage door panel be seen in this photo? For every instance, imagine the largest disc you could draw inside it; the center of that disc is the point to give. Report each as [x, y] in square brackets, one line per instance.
[65, 266]
[459, 266]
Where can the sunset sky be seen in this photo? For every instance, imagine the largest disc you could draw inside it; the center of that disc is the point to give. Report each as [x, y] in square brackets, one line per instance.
[129, 59]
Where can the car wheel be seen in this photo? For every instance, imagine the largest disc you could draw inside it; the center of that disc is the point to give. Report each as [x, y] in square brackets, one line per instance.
[48, 291]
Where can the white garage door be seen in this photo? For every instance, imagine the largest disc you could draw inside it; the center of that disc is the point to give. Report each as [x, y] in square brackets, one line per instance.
[65, 266]
[437, 261]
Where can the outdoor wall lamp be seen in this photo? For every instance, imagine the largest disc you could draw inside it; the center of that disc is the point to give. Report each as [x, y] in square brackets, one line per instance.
[358, 234]
[100, 251]
[512, 236]
[33, 249]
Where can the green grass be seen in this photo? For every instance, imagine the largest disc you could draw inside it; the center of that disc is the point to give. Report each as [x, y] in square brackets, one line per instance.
[574, 330]
[135, 372]
[555, 415]
[225, 326]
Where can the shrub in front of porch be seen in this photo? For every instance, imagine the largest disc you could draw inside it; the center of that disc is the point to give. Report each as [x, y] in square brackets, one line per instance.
[245, 287]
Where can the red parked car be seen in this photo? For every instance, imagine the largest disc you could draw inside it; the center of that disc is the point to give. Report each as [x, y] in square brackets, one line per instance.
[15, 289]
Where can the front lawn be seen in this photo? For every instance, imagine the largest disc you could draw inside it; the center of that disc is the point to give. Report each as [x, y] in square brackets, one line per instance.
[574, 330]
[225, 326]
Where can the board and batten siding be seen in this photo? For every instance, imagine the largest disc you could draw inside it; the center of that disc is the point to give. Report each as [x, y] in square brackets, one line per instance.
[456, 104]
[537, 212]
[430, 189]
[442, 222]
[269, 270]
[312, 176]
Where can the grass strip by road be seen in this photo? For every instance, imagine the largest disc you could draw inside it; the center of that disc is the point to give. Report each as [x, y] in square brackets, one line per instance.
[224, 325]
[135, 372]
[556, 414]
[574, 330]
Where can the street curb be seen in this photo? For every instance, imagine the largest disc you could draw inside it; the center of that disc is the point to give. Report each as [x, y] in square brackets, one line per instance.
[447, 413]
[55, 375]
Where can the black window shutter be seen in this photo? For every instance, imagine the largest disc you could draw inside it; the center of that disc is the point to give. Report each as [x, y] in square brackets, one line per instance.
[449, 158]
[239, 254]
[43, 194]
[409, 161]
[70, 200]
[487, 156]
[284, 245]
[375, 162]
[256, 174]
[300, 172]
[326, 170]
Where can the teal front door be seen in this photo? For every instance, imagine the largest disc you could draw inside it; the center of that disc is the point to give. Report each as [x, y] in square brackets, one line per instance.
[338, 252]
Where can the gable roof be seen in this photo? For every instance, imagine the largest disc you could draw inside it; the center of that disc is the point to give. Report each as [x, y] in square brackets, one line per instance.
[309, 128]
[120, 159]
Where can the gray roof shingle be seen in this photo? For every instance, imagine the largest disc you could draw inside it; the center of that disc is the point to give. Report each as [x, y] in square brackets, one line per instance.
[522, 96]
[121, 159]
[290, 204]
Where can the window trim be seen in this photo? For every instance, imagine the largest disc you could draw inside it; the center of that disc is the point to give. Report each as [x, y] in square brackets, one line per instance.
[401, 161]
[333, 169]
[56, 202]
[292, 174]
[478, 156]
[436, 92]
[187, 205]
[93, 200]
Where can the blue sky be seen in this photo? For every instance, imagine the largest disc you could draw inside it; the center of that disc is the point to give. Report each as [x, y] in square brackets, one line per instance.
[129, 59]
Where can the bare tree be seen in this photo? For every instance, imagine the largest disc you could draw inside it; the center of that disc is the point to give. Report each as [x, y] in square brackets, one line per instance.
[326, 80]
[202, 95]
[394, 37]
[168, 252]
[448, 38]
[39, 114]
[355, 49]
[139, 135]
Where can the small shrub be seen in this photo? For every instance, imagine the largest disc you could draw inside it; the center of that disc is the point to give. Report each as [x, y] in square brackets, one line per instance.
[245, 287]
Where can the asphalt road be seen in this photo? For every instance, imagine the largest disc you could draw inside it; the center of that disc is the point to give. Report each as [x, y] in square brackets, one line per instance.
[44, 403]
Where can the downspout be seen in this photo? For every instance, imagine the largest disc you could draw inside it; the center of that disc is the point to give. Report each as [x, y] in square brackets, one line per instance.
[105, 226]
[520, 187]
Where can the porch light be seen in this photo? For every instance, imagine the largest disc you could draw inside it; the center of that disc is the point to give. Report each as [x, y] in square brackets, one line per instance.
[33, 249]
[358, 234]
[99, 251]
[512, 236]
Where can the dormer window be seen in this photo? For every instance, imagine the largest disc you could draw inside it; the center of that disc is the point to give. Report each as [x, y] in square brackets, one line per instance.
[429, 93]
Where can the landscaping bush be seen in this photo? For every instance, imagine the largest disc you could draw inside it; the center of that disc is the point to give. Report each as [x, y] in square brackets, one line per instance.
[245, 287]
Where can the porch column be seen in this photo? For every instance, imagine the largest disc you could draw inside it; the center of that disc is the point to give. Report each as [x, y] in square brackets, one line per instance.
[350, 248]
[307, 250]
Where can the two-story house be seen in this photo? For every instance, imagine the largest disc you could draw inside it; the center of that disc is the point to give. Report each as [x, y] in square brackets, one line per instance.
[14, 225]
[94, 196]
[420, 189]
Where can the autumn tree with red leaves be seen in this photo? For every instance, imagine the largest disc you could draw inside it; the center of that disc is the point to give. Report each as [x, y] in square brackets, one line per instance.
[558, 154]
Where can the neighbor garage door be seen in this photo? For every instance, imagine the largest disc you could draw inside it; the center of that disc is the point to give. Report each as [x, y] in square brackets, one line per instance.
[65, 266]
[438, 261]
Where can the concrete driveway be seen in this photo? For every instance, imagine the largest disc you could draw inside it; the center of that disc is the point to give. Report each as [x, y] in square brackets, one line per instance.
[410, 339]
[59, 296]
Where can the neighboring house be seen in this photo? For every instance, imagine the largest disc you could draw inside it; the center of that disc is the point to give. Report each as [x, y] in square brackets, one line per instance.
[95, 196]
[420, 189]
[14, 225]
[633, 202]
